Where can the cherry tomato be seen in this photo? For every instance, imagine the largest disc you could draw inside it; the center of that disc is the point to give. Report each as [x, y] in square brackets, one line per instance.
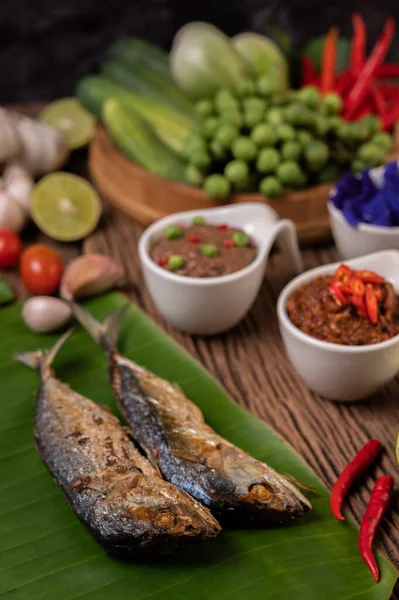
[10, 249]
[41, 269]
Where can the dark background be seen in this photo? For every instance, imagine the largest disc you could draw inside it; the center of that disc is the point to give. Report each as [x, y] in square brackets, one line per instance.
[47, 45]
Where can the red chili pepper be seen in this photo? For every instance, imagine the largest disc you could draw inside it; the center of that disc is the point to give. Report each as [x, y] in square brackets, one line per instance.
[351, 473]
[309, 74]
[388, 70]
[371, 303]
[193, 239]
[389, 92]
[356, 286]
[358, 50]
[228, 243]
[344, 83]
[223, 227]
[378, 503]
[370, 69]
[359, 302]
[336, 288]
[370, 277]
[329, 61]
[162, 261]
[378, 100]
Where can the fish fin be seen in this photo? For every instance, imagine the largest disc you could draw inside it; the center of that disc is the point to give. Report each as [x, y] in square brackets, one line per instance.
[38, 358]
[105, 333]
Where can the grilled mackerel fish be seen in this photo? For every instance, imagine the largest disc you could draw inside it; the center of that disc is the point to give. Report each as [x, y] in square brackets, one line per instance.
[172, 432]
[116, 493]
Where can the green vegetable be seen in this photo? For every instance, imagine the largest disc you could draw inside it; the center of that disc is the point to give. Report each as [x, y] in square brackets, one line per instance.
[194, 175]
[149, 84]
[138, 141]
[204, 108]
[218, 150]
[172, 127]
[374, 123]
[176, 262]
[309, 95]
[267, 86]
[289, 173]
[244, 148]
[209, 250]
[245, 87]
[6, 293]
[225, 99]
[358, 165]
[254, 103]
[291, 150]
[316, 155]
[383, 140]
[226, 134]
[137, 52]
[200, 159]
[304, 137]
[253, 118]
[237, 172]
[333, 103]
[275, 116]
[264, 57]
[210, 126]
[173, 232]
[264, 134]
[195, 143]
[285, 132]
[203, 60]
[268, 160]
[233, 116]
[315, 47]
[270, 186]
[199, 220]
[217, 186]
[329, 173]
[240, 239]
[371, 154]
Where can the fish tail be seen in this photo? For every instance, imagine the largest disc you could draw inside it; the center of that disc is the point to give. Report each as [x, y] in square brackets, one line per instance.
[38, 359]
[105, 334]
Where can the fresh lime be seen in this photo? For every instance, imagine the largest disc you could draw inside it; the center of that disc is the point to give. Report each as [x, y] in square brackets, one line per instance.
[65, 207]
[68, 116]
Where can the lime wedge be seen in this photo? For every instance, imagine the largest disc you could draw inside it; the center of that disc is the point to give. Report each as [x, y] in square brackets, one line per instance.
[71, 119]
[65, 207]
[397, 450]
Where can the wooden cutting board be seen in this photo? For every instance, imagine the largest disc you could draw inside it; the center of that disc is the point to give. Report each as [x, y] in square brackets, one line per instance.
[146, 197]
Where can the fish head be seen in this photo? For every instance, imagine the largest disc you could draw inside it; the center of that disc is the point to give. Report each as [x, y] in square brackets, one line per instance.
[159, 516]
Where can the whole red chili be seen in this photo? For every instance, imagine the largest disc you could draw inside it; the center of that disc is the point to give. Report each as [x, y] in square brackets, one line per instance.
[379, 500]
[352, 471]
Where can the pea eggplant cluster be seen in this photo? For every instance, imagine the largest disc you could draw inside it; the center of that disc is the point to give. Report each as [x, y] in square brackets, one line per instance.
[256, 139]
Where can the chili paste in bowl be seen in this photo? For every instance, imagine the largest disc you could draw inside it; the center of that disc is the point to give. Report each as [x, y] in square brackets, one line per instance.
[351, 307]
[203, 250]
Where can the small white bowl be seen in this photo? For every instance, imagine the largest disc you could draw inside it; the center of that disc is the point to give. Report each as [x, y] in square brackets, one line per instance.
[342, 373]
[362, 239]
[211, 305]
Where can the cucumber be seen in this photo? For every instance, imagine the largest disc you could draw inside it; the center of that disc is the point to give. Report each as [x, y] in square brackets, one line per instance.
[152, 84]
[138, 142]
[169, 125]
[137, 51]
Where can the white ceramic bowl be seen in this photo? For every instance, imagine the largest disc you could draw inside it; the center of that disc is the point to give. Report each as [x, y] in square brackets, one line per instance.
[343, 373]
[363, 239]
[207, 306]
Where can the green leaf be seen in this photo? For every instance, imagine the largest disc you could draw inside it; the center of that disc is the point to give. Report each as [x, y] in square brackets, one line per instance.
[6, 293]
[314, 49]
[46, 552]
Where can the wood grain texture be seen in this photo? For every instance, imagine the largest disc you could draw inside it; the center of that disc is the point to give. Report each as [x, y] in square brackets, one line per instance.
[250, 362]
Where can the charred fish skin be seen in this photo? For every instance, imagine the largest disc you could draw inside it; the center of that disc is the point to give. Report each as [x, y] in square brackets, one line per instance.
[172, 432]
[114, 491]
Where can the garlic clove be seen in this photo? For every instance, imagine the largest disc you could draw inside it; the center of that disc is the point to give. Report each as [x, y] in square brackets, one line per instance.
[18, 184]
[12, 216]
[88, 275]
[44, 314]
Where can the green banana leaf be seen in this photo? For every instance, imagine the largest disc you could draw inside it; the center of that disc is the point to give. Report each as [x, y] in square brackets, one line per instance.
[46, 554]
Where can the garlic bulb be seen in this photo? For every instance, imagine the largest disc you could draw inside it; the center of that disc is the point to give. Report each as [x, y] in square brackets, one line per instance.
[10, 142]
[12, 216]
[18, 184]
[43, 314]
[88, 275]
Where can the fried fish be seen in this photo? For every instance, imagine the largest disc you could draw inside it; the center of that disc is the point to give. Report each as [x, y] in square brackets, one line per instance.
[174, 436]
[114, 490]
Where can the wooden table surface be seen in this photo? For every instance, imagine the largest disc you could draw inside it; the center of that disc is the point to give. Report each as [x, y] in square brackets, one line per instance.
[250, 362]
